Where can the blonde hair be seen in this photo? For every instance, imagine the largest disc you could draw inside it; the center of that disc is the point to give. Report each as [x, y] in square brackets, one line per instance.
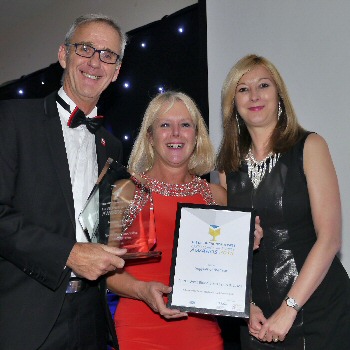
[236, 138]
[142, 155]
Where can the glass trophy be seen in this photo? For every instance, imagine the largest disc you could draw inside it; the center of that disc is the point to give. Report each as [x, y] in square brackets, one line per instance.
[110, 217]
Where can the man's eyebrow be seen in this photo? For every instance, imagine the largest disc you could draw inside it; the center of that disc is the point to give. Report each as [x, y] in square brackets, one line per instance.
[92, 45]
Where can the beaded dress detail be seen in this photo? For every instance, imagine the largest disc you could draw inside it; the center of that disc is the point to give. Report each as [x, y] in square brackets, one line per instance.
[143, 194]
[196, 186]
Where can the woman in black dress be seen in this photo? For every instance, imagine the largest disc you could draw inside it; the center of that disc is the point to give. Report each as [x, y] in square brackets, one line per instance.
[300, 289]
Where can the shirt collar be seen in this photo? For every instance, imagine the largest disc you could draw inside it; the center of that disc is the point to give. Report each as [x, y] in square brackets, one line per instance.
[72, 105]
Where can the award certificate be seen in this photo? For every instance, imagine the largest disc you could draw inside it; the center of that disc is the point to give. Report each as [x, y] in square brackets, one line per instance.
[212, 257]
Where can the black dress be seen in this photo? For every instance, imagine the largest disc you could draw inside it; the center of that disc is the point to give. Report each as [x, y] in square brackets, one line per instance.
[282, 202]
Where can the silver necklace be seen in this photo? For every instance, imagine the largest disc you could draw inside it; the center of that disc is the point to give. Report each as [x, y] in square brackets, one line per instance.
[257, 169]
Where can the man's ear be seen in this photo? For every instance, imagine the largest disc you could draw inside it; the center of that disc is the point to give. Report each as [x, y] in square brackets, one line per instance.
[62, 56]
[116, 73]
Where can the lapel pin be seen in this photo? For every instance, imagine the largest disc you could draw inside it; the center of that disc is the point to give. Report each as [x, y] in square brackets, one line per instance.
[103, 142]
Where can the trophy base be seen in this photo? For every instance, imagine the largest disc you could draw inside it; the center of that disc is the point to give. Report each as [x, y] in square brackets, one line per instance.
[141, 255]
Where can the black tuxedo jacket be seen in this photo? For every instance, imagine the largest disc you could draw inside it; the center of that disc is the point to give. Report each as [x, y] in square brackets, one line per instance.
[37, 221]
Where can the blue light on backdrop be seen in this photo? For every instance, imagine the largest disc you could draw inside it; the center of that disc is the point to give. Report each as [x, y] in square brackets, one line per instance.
[166, 54]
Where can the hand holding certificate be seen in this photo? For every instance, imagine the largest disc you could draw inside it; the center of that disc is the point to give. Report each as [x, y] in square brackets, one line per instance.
[212, 260]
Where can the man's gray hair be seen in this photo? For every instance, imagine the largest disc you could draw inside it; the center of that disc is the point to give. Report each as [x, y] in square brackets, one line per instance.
[97, 18]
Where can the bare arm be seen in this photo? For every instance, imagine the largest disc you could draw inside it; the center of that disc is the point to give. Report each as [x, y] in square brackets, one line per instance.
[222, 179]
[219, 194]
[326, 212]
[152, 293]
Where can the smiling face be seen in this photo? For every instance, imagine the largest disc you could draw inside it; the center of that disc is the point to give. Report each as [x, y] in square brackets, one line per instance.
[86, 78]
[173, 136]
[256, 98]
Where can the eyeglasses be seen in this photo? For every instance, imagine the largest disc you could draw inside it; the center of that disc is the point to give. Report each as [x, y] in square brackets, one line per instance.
[106, 56]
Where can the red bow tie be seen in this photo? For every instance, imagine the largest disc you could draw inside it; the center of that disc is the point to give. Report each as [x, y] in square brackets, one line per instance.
[78, 117]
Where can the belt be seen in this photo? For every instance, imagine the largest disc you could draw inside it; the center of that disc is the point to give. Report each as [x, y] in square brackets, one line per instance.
[76, 285]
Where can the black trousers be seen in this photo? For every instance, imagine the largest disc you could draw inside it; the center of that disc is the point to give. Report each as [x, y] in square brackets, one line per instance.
[81, 324]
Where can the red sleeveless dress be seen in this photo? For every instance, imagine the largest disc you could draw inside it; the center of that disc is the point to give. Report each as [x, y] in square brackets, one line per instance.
[137, 326]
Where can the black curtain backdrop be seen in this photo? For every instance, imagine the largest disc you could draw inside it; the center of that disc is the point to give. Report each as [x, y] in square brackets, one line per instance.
[169, 59]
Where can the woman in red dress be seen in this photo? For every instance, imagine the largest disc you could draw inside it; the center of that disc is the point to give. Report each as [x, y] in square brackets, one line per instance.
[171, 152]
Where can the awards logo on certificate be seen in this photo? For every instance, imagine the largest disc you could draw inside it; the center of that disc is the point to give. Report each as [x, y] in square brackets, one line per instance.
[212, 260]
[105, 215]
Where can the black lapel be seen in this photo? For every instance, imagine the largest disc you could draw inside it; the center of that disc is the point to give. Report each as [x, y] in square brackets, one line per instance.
[58, 151]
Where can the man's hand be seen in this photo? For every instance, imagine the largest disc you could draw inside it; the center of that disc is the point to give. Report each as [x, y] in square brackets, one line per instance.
[92, 260]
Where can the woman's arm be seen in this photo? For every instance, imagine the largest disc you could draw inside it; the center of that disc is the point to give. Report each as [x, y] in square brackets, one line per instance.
[219, 194]
[222, 179]
[125, 285]
[326, 213]
[324, 196]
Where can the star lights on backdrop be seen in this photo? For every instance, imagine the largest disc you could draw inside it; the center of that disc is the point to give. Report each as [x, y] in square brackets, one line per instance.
[169, 54]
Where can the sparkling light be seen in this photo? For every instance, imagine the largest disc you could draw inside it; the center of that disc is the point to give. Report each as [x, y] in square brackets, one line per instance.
[126, 137]
[126, 85]
[180, 30]
[143, 44]
[20, 92]
[161, 89]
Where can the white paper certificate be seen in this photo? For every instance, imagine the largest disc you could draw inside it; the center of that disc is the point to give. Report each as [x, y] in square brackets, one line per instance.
[212, 257]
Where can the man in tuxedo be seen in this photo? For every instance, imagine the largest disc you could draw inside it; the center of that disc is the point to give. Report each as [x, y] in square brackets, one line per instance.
[50, 276]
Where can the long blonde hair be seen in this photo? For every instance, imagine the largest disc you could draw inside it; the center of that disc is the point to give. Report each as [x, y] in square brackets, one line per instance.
[141, 159]
[236, 138]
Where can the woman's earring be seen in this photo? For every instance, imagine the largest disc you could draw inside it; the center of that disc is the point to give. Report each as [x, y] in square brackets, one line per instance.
[279, 110]
[237, 120]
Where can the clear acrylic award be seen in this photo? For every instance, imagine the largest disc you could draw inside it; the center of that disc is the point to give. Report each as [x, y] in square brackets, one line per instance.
[109, 216]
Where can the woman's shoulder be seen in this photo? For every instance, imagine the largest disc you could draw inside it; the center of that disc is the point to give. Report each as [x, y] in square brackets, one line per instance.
[219, 194]
[315, 147]
[306, 140]
[314, 140]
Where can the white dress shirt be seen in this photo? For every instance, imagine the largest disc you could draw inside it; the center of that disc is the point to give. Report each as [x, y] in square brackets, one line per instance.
[82, 160]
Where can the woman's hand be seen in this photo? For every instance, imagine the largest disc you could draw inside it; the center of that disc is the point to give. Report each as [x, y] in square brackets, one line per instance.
[256, 320]
[258, 233]
[278, 325]
[152, 293]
